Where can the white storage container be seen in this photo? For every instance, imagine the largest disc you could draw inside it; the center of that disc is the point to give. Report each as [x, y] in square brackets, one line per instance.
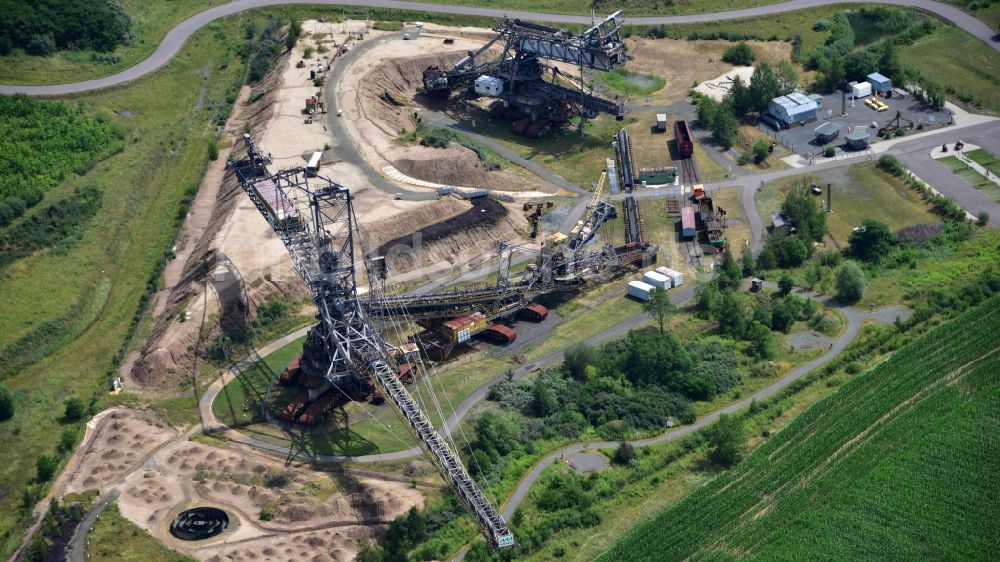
[657, 280]
[639, 290]
[861, 90]
[676, 277]
[488, 86]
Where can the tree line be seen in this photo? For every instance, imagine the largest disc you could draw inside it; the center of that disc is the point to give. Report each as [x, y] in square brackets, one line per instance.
[43, 141]
[42, 27]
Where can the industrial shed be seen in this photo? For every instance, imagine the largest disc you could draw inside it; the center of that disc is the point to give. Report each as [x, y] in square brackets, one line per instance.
[793, 108]
[827, 132]
[880, 83]
[858, 140]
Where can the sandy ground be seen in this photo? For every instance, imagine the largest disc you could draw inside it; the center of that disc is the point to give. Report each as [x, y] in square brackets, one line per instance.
[685, 63]
[718, 87]
[378, 95]
[315, 516]
[122, 442]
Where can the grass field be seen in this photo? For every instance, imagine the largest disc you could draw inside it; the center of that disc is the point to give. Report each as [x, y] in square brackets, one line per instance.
[117, 539]
[150, 23]
[632, 83]
[958, 61]
[985, 159]
[863, 192]
[974, 178]
[79, 305]
[889, 467]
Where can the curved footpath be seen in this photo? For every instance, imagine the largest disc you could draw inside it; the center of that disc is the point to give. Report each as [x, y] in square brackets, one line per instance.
[176, 37]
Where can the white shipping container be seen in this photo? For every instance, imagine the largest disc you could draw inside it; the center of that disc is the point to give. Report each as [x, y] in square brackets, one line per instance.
[488, 85]
[676, 277]
[639, 290]
[656, 279]
[861, 90]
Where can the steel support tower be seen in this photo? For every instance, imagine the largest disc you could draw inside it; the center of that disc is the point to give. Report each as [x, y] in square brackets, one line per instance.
[314, 218]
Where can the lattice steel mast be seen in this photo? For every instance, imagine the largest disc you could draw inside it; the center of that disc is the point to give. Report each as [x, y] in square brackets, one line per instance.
[314, 218]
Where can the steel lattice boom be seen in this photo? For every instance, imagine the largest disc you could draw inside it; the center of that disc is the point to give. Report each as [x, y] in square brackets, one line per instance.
[314, 218]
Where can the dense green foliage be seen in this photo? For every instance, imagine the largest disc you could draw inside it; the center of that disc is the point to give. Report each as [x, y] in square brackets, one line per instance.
[904, 453]
[871, 241]
[726, 440]
[850, 283]
[635, 384]
[263, 42]
[6, 404]
[807, 216]
[50, 226]
[719, 118]
[43, 26]
[739, 54]
[73, 409]
[41, 142]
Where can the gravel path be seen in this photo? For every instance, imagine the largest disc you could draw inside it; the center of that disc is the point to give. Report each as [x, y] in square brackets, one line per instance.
[176, 37]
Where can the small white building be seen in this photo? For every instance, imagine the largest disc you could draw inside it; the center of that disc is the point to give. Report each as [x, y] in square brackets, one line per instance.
[661, 122]
[488, 86]
[676, 277]
[657, 279]
[861, 90]
[639, 290]
[315, 161]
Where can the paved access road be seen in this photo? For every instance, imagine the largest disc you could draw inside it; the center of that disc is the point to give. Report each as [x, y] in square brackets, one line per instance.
[176, 37]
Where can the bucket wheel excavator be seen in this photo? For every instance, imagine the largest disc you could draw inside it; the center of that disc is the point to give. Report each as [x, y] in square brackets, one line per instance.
[518, 79]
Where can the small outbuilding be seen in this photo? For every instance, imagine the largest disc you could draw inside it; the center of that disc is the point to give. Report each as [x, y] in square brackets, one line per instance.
[661, 122]
[827, 132]
[488, 85]
[782, 222]
[858, 140]
[860, 90]
[794, 108]
[880, 83]
[639, 290]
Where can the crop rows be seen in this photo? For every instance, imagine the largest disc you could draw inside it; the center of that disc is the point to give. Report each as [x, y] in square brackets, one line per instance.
[899, 464]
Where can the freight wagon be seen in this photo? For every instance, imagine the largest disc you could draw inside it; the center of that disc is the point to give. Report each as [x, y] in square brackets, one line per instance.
[683, 138]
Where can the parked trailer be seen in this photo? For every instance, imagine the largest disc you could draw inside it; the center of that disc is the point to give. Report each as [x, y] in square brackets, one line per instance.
[315, 161]
[683, 138]
[676, 277]
[534, 312]
[656, 279]
[639, 290]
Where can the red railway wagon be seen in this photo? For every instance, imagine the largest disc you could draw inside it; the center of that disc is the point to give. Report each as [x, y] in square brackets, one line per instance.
[500, 334]
[683, 138]
[534, 312]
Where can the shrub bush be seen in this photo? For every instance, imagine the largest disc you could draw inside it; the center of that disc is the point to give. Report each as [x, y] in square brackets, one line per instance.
[739, 54]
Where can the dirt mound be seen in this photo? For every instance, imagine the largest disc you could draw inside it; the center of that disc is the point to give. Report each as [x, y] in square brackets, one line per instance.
[450, 240]
[386, 93]
[457, 165]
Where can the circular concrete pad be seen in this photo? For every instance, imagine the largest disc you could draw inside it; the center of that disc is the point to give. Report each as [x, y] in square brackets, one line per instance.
[808, 340]
[888, 314]
[588, 462]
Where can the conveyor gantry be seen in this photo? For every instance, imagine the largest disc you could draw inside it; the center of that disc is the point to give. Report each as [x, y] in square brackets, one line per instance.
[316, 223]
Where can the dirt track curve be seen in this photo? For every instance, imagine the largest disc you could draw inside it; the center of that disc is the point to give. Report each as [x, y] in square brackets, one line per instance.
[176, 37]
